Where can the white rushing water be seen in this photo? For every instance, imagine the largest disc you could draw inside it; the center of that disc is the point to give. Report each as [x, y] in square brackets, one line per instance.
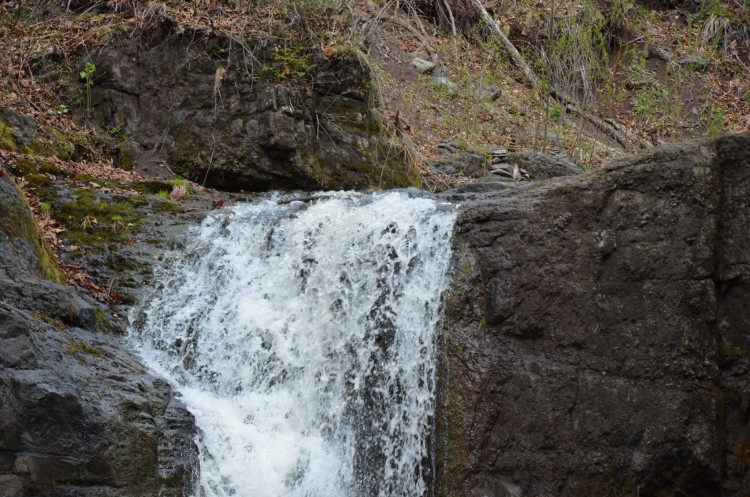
[302, 338]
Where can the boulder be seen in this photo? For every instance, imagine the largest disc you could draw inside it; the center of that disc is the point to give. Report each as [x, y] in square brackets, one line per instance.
[540, 166]
[444, 84]
[17, 131]
[596, 335]
[694, 62]
[295, 121]
[486, 92]
[422, 66]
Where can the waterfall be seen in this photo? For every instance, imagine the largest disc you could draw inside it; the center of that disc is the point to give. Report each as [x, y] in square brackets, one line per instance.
[302, 338]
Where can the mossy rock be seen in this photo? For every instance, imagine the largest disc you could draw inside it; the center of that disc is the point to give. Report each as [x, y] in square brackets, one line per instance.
[167, 206]
[103, 321]
[17, 132]
[94, 219]
[34, 169]
[23, 245]
[7, 142]
[56, 144]
[151, 186]
[133, 453]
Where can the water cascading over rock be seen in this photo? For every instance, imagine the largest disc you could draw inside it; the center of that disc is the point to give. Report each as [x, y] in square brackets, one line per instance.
[302, 338]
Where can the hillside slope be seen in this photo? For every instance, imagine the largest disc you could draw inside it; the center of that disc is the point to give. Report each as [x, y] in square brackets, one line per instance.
[611, 76]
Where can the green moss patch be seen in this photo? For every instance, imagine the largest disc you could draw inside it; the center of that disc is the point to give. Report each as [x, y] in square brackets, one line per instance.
[56, 144]
[94, 219]
[34, 165]
[77, 347]
[109, 183]
[103, 322]
[152, 186]
[6, 137]
[167, 206]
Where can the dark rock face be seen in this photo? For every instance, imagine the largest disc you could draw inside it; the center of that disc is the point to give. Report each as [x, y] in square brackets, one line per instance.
[78, 414]
[223, 124]
[596, 338]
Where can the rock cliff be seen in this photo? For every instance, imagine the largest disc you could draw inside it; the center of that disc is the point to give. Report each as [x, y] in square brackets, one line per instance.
[596, 339]
[224, 118]
[78, 414]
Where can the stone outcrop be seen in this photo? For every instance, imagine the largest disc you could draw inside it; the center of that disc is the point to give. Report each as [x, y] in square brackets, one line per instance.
[78, 414]
[22, 247]
[295, 121]
[16, 130]
[492, 168]
[596, 339]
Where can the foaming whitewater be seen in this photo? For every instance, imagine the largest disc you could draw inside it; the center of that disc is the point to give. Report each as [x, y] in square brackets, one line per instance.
[302, 338]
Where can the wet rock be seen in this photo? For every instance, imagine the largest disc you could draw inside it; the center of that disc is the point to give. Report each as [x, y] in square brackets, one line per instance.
[78, 414]
[596, 335]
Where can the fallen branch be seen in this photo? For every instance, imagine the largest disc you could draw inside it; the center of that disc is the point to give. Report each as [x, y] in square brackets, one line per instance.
[569, 102]
[607, 128]
[518, 59]
[450, 16]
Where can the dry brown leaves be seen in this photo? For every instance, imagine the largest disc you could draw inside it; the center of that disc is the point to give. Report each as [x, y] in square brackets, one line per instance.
[103, 170]
[50, 227]
[81, 277]
[733, 96]
[32, 44]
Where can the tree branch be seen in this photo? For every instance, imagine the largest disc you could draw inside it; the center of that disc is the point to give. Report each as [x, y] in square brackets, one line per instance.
[569, 102]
